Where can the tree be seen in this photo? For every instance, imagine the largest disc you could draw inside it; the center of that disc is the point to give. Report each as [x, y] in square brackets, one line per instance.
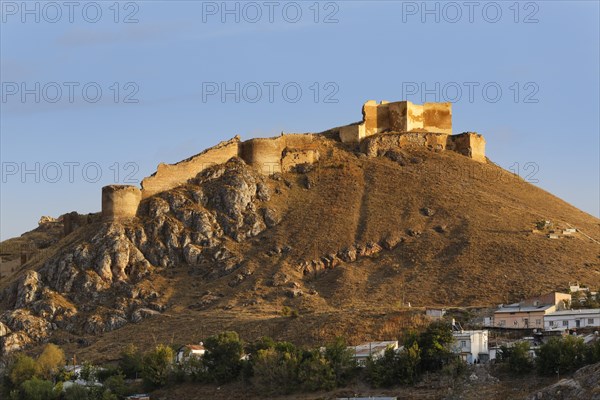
[276, 370]
[435, 345]
[116, 385]
[409, 360]
[76, 392]
[24, 368]
[157, 366]
[384, 370]
[222, 357]
[516, 358]
[131, 361]
[560, 355]
[341, 360]
[50, 361]
[315, 373]
[37, 389]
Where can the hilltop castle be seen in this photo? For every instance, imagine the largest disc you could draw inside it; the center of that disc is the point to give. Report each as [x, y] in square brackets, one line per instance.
[385, 126]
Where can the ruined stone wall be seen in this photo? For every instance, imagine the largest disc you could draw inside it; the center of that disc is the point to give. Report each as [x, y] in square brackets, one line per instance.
[264, 154]
[168, 176]
[437, 117]
[378, 145]
[73, 220]
[292, 157]
[120, 201]
[400, 116]
[469, 144]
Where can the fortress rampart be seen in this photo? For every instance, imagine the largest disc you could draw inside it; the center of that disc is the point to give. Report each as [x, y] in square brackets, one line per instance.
[385, 126]
[120, 201]
[400, 116]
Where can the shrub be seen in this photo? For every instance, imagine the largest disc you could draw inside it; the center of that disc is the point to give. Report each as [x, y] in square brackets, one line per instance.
[37, 389]
[560, 355]
[276, 370]
[131, 361]
[157, 366]
[222, 357]
[76, 392]
[51, 360]
[315, 373]
[341, 360]
[23, 368]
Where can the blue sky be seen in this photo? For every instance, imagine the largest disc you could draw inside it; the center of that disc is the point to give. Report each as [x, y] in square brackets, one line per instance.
[115, 89]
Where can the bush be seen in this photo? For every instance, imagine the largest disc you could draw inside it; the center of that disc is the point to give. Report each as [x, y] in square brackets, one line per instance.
[560, 355]
[23, 368]
[38, 389]
[315, 373]
[434, 344]
[516, 358]
[276, 370]
[222, 357]
[341, 360]
[131, 361]
[157, 366]
[51, 360]
[76, 392]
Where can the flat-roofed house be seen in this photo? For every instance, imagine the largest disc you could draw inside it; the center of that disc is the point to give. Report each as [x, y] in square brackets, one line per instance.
[572, 319]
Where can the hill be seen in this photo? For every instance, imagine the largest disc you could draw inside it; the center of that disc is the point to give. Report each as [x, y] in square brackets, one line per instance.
[347, 241]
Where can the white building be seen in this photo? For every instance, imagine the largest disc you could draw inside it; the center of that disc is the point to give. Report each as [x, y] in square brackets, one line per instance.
[190, 350]
[471, 345]
[572, 319]
[374, 350]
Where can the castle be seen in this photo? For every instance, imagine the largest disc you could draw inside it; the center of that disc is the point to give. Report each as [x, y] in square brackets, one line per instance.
[385, 126]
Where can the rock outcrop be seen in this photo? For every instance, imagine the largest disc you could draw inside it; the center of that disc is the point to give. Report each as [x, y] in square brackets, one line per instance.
[106, 280]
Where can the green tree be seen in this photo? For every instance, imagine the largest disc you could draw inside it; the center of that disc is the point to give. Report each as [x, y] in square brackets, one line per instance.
[37, 389]
[560, 355]
[223, 357]
[276, 370]
[383, 371]
[76, 392]
[519, 360]
[341, 359]
[116, 385]
[157, 366]
[88, 372]
[51, 360]
[315, 373]
[408, 362]
[434, 343]
[131, 361]
[23, 368]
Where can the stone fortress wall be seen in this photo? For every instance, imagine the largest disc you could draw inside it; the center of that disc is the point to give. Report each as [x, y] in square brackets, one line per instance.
[385, 126]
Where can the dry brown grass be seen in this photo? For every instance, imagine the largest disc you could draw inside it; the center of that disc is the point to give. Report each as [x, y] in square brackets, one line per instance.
[487, 255]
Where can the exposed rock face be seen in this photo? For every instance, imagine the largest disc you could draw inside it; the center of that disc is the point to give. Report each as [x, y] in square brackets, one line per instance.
[115, 265]
[585, 384]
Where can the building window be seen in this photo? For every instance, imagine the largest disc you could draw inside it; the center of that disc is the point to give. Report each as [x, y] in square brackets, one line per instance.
[551, 323]
[502, 322]
[538, 322]
[590, 321]
[463, 344]
[565, 323]
[515, 323]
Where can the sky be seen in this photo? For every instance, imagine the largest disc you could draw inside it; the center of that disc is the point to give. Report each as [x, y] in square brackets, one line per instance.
[98, 93]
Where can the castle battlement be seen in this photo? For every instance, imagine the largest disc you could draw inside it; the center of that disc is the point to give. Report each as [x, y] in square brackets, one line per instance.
[385, 126]
[399, 116]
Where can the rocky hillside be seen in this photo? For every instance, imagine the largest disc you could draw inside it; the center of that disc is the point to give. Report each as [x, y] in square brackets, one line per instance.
[345, 242]
[584, 384]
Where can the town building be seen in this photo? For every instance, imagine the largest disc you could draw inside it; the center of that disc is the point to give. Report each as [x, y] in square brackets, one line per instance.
[529, 313]
[190, 350]
[572, 319]
[375, 350]
[472, 346]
